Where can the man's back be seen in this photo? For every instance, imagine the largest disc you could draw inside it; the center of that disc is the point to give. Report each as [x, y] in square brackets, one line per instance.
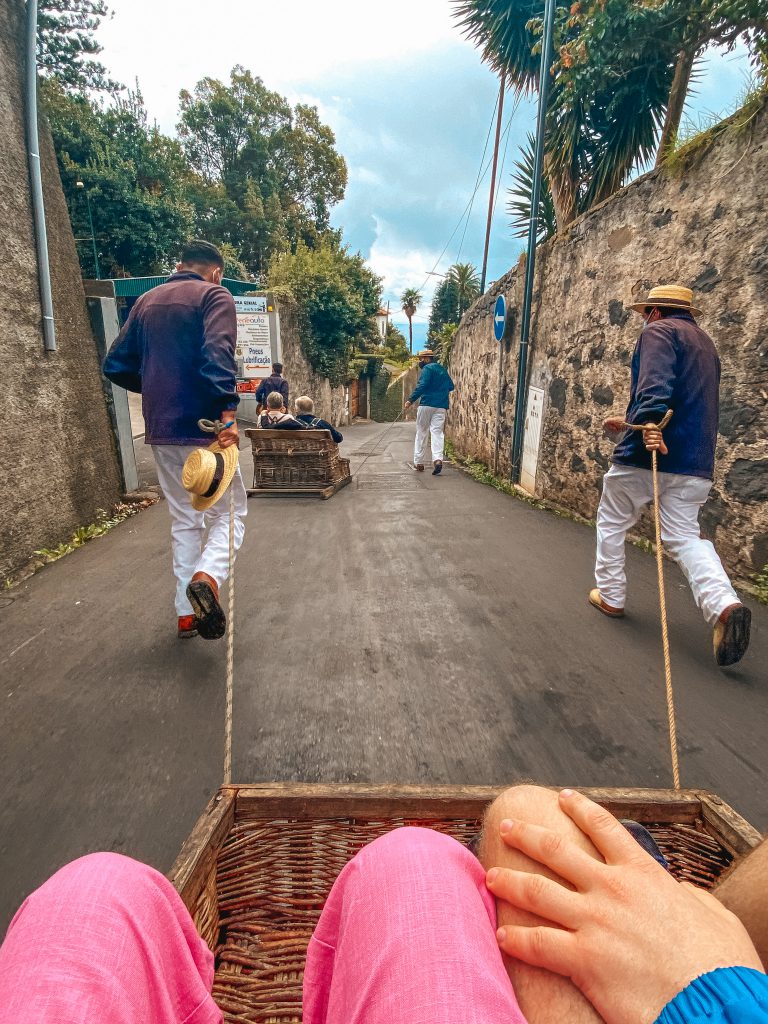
[182, 335]
[275, 382]
[675, 366]
[434, 386]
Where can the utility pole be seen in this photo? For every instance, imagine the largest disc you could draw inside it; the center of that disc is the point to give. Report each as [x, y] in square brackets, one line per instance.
[81, 185]
[493, 181]
[533, 231]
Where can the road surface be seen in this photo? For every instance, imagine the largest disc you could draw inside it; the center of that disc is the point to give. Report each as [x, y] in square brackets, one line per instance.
[411, 629]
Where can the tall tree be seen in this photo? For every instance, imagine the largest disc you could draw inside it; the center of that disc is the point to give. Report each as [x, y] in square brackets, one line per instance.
[66, 44]
[337, 297]
[467, 284]
[444, 309]
[274, 169]
[521, 196]
[410, 300]
[620, 76]
[137, 182]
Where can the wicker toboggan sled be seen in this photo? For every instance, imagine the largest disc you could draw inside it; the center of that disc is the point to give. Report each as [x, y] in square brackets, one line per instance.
[296, 462]
[261, 860]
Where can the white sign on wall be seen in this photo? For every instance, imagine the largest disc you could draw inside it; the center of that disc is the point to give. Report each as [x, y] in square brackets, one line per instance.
[254, 336]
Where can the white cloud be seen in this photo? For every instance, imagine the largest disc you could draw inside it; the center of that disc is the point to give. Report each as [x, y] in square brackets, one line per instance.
[171, 44]
[402, 267]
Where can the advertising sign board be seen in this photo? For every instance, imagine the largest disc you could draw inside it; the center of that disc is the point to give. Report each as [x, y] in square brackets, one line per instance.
[254, 336]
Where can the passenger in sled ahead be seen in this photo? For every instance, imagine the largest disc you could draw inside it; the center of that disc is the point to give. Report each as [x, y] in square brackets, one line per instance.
[675, 367]
[563, 919]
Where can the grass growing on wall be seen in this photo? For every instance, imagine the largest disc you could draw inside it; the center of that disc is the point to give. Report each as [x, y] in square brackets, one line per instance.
[761, 585]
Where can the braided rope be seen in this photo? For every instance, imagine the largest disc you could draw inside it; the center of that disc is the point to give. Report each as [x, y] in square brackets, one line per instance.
[663, 605]
[664, 630]
[230, 641]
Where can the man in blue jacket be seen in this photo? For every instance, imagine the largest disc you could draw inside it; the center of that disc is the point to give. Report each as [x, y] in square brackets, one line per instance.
[675, 367]
[177, 349]
[432, 390]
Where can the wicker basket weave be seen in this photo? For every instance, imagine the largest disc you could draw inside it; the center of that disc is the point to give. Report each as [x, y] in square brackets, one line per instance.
[297, 460]
[258, 867]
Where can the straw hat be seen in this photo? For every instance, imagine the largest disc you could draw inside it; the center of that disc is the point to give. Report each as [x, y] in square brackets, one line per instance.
[426, 353]
[668, 296]
[208, 472]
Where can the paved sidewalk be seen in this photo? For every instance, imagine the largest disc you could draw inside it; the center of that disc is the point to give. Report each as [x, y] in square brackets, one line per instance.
[411, 629]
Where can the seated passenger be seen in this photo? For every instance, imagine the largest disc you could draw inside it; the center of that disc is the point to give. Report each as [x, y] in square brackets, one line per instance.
[305, 413]
[276, 418]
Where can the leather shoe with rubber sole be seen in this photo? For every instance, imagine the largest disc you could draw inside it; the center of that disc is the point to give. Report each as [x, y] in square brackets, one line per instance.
[730, 638]
[203, 595]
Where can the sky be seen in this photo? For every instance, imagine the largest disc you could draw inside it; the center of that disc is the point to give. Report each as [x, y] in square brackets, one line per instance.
[408, 98]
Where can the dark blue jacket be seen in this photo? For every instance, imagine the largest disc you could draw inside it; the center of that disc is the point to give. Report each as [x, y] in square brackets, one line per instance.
[177, 349]
[675, 366]
[315, 423]
[434, 387]
[275, 382]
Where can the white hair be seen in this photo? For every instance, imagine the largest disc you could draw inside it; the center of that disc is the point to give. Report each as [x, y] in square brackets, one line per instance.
[274, 400]
[305, 404]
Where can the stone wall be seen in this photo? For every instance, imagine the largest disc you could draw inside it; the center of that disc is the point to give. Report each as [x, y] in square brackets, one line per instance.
[58, 457]
[705, 228]
[330, 400]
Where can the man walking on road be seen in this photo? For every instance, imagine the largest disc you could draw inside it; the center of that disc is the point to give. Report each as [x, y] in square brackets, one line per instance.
[177, 349]
[275, 382]
[433, 389]
[675, 367]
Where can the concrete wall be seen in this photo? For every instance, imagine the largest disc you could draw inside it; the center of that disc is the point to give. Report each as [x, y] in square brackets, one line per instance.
[705, 228]
[58, 458]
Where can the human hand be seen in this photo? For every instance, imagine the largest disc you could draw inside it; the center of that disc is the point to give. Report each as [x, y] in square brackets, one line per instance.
[406, 407]
[625, 932]
[653, 439]
[614, 424]
[229, 435]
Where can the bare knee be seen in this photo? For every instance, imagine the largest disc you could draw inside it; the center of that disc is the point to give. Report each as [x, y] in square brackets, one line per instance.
[536, 805]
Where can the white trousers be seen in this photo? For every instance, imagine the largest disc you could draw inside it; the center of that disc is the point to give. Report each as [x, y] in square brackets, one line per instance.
[626, 492]
[192, 552]
[429, 420]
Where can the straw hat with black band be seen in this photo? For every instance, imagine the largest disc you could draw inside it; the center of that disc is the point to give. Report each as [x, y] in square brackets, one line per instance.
[668, 296]
[208, 472]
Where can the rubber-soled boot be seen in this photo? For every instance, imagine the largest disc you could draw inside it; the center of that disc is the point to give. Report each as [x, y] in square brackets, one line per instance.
[730, 638]
[203, 595]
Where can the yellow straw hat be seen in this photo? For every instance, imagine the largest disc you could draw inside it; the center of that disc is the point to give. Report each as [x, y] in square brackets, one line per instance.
[426, 353]
[668, 296]
[208, 472]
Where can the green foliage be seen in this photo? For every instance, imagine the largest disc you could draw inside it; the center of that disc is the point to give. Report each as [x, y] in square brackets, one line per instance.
[136, 179]
[521, 195]
[614, 84]
[395, 345]
[337, 297]
[694, 139]
[271, 172]
[445, 308]
[66, 44]
[761, 585]
[410, 300]
[104, 523]
[442, 342]
[466, 282]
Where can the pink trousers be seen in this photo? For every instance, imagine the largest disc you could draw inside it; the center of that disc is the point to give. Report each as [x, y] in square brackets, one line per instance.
[407, 935]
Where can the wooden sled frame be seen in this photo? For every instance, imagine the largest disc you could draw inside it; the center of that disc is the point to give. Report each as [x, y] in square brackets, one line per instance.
[296, 444]
[194, 872]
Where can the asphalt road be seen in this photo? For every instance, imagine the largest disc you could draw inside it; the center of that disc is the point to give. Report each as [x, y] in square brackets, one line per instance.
[411, 629]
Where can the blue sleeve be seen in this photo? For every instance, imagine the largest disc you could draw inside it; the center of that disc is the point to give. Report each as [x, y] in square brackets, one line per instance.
[656, 375]
[729, 995]
[284, 391]
[219, 368]
[421, 387]
[261, 393]
[122, 364]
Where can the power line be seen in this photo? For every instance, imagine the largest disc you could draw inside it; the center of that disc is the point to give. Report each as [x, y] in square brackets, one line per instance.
[478, 178]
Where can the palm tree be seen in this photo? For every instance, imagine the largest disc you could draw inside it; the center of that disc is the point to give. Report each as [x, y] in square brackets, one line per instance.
[619, 78]
[467, 282]
[521, 193]
[410, 300]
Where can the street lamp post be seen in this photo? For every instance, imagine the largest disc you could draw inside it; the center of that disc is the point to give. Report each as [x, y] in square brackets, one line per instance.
[81, 185]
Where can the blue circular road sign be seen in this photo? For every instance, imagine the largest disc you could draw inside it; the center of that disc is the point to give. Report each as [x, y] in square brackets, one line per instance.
[499, 318]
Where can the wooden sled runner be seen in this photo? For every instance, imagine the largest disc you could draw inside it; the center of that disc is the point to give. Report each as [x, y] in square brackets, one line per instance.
[296, 463]
[261, 860]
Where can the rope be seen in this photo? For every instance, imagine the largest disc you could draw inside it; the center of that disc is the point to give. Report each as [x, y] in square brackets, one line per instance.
[230, 641]
[214, 427]
[663, 606]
